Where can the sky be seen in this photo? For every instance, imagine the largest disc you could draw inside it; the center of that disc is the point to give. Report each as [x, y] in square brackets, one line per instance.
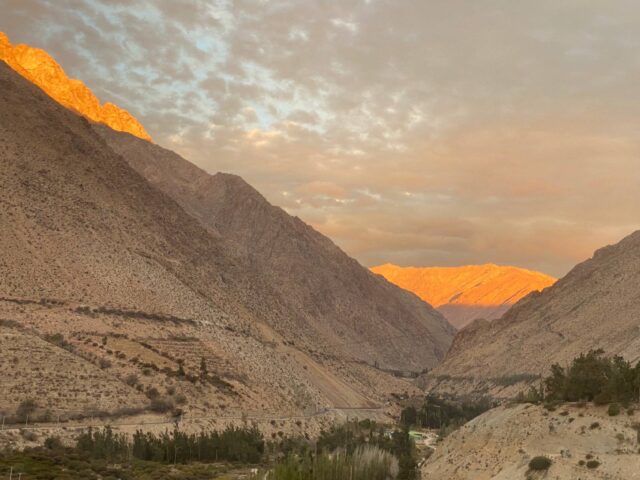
[416, 132]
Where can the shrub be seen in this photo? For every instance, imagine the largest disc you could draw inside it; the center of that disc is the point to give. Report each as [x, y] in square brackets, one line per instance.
[131, 380]
[152, 393]
[593, 464]
[533, 396]
[594, 425]
[160, 405]
[53, 443]
[539, 463]
[56, 339]
[25, 409]
[104, 363]
[613, 410]
[29, 435]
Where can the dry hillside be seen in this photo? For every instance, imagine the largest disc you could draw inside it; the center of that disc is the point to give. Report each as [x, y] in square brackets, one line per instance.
[328, 297]
[463, 294]
[596, 305]
[112, 296]
[499, 444]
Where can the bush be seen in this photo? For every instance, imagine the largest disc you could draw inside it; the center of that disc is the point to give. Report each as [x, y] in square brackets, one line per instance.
[161, 405]
[539, 463]
[533, 396]
[152, 393]
[56, 339]
[53, 443]
[593, 464]
[131, 380]
[26, 409]
[613, 410]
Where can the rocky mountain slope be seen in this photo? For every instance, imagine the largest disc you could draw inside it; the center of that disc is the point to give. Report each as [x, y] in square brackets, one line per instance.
[499, 444]
[463, 294]
[105, 274]
[328, 296]
[596, 305]
[40, 68]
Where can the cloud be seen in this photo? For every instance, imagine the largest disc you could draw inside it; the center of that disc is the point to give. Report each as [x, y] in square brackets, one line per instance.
[417, 132]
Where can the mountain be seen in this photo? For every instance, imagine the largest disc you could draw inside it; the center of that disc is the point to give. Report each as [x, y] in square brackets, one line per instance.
[327, 295]
[463, 294]
[596, 305]
[40, 68]
[111, 277]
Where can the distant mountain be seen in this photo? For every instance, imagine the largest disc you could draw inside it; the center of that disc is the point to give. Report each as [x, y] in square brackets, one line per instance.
[463, 294]
[40, 68]
[327, 296]
[596, 305]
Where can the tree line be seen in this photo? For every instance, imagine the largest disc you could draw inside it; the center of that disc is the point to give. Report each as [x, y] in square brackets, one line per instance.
[234, 444]
[593, 377]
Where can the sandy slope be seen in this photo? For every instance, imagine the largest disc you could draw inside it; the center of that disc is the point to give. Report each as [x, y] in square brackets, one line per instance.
[499, 444]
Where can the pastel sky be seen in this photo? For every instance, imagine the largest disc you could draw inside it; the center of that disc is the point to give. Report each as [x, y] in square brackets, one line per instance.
[418, 132]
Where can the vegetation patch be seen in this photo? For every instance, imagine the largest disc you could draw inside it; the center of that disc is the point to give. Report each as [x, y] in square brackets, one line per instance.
[443, 414]
[594, 377]
[593, 464]
[365, 463]
[509, 380]
[540, 463]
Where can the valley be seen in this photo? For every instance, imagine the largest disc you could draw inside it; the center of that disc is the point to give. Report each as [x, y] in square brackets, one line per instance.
[218, 317]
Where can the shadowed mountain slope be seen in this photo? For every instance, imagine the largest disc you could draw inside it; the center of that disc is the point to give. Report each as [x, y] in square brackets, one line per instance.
[119, 275]
[463, 294]
[596, 305]
[328, 296]
[100, 263]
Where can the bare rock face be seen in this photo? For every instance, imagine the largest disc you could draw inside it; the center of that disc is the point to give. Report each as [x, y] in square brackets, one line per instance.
[40, 68]
[326, 298]
[596, 305]
[463, 294]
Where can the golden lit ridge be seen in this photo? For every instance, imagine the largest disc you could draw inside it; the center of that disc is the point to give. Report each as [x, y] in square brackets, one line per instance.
[467, 292]
[40, 68]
